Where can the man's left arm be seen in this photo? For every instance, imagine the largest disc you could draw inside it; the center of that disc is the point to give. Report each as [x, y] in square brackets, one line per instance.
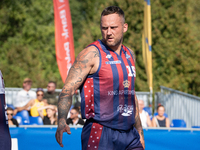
[138, 124]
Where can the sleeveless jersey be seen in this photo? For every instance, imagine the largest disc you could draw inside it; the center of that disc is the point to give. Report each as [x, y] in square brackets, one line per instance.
[5, 139]
[35, 107]
[108, 96]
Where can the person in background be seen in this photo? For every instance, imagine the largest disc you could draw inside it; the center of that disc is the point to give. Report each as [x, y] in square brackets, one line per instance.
[5, 139]
[51, 117]
[11, 120]
[160, 120]
[25, 95]
[34, 104]
[144, 116]
[74, 117]
[51, 96]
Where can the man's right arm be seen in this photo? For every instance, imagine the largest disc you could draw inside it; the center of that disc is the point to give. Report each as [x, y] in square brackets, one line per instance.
[84, 64]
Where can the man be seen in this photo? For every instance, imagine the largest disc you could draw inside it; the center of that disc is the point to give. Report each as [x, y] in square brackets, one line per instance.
[144, 116]
[105, 73]
[25, 95]
[5, 139]
[11, 120]
[74, 117]
[51, 96]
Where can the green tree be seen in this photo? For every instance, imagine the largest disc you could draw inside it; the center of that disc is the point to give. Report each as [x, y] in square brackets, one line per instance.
[27, 41]
[175, 50]
[28, 45]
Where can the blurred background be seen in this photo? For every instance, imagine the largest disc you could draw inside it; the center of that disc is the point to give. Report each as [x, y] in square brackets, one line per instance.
[28, 44]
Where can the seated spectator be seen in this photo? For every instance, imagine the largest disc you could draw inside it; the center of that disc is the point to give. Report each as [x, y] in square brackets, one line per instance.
[34, 104]
[74, 119]
[144, 116]
[51, 96]
[11, 120]
[51, 117]
[160, 120]
[25, 95]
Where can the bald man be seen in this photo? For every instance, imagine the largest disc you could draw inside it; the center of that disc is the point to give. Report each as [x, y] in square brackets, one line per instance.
[144, 116]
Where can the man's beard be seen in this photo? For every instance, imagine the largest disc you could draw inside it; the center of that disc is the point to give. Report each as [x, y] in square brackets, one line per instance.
[116, 42]
[50, 92]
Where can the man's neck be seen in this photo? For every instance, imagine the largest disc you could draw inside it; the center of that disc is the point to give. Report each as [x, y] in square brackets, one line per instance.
[75, 120]
[26, 90]
[116, 48]
[50, 92]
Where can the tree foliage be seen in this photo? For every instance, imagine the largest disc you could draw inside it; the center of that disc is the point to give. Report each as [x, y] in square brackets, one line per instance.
[28, 44]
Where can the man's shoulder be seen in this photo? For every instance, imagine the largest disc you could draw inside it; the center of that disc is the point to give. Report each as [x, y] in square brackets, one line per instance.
[21, 92]
[81, 121]
[94, 43]
[69, 121]
[129, 50]
[31, 91]
[46, 94]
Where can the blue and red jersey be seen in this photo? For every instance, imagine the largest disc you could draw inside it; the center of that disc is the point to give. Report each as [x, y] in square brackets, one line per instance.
[108, 96]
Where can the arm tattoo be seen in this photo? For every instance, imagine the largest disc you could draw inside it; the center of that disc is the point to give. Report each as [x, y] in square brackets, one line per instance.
[74, 79]
[138, 124]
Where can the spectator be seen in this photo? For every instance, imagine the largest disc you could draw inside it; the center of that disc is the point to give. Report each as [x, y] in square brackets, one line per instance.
[25, 95]
[34, 104]
[160, 120]
[51, 117]
[74, 119]
[144, 116]
[11, 120]
[51, 95]
[78, 105]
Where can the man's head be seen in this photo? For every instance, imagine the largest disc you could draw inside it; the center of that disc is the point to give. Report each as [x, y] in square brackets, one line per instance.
[113, 26]
[9, 113]
[114, 10]
[51, 87]
[140, 105]
[27, 83]
[74, 112]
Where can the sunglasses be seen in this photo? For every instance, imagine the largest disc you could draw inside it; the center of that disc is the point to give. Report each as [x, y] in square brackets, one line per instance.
[9, 114]
[39, 94]
[72, 113]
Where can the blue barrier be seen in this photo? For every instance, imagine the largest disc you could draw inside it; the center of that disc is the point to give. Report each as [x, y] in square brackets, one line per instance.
[43, 138]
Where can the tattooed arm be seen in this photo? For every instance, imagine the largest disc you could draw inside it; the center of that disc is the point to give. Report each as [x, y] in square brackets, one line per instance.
[138, 124]
[86, 63]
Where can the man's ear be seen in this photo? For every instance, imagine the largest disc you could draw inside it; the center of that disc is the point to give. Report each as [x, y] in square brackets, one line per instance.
[125, 27]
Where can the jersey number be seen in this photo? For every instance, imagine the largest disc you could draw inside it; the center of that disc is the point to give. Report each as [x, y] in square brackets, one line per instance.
[131, 71]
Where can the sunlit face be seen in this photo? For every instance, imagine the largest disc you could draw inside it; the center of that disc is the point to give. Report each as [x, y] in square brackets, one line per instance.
[73, 114]
[50, 112]
[161, 111]
[112, 29]
[40, 95]
[141, 105]
[9, 114]
[27, 85]
[51, 87]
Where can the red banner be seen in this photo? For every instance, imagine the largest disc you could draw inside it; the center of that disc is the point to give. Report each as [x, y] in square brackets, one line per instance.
[63, 37]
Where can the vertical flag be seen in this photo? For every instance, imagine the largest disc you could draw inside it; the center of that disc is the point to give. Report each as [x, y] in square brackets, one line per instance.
[63, 37]
[146, 43]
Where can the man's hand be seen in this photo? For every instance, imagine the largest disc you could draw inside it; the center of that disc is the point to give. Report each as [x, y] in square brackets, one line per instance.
[62, 127]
